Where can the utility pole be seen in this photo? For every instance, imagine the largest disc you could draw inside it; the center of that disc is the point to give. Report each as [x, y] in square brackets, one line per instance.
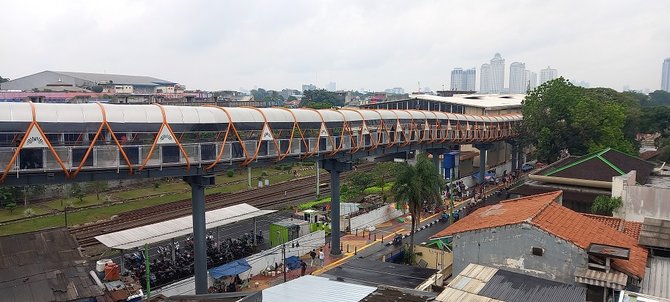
[147, 268]
[283, 251]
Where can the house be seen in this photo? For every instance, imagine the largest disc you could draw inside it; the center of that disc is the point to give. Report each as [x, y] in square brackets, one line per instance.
[537, 236]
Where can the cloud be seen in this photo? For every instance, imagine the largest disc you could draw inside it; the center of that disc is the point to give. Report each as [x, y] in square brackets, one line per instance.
[358, 44]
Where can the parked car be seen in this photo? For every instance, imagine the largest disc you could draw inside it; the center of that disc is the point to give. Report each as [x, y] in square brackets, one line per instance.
[527, 167]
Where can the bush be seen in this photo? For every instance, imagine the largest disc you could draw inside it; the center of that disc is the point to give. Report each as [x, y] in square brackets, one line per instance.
[310, 204]
[230, 173]
[157, 185]
[29, 212]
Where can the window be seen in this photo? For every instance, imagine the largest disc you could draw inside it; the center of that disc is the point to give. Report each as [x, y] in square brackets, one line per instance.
[537, 251]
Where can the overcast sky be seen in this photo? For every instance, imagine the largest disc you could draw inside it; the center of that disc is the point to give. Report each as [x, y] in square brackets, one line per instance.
[357, 44]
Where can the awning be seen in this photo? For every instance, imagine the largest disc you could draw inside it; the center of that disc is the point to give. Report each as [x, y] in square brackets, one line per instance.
[230, 269]
[166, 230]
[613, 279]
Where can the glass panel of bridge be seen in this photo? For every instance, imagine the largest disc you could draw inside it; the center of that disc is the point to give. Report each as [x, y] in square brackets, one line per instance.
[106, 156]
[170, 154]
[78, 157]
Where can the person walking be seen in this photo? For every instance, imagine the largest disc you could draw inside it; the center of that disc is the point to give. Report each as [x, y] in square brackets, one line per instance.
[322, 257]
[303, 267]
[312, 254]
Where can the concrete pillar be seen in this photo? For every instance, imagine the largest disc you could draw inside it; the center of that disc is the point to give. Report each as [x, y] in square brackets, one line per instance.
[482, 159]
[198, 183]
[335, 167]
[515, 157]
[318, 180]
[255, 232]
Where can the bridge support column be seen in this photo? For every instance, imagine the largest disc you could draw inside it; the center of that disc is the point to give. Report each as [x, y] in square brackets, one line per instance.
[335, 167]
[436, 153]
[482, 159]
[198, 183]
[515, 157]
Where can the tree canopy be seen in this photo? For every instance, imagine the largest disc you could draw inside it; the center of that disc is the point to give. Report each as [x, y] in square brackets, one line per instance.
[559, 115]
[606, 205]
[321, 99]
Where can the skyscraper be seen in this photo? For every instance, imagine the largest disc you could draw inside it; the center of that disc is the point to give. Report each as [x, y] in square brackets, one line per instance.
[548, 74]
[516, 78]
[485, 78]
[470, 76]
[529, 80]
[497, 74]
[665, 78]
[332, 86]
[457, 79]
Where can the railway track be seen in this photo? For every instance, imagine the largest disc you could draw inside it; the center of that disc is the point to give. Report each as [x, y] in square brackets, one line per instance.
[270, 197]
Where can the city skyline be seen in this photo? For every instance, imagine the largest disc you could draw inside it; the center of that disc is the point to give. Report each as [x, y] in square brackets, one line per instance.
[205, 45]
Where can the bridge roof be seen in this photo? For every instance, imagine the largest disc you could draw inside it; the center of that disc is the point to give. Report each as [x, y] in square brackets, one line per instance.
[486, 101]
[166, 230]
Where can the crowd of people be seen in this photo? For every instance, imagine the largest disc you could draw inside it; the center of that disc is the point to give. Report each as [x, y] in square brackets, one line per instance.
[165, 269]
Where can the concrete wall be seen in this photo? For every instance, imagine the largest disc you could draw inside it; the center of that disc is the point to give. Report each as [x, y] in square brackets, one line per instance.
[373, 217]
[435, 258]
[640, 201]
[264, 259]
[509, 247]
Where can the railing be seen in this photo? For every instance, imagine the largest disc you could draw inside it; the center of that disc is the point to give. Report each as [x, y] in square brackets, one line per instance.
[108, 157]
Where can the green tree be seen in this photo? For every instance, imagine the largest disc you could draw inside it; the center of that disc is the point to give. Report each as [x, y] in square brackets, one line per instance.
[321, 99]
[382, 173]
[660, 97]
[11, 207]
[77, 192]
[359, 180]
[416, 186]
[606, 205]
[7, 195]
[98, 187]
[559, 115]
[655, 119]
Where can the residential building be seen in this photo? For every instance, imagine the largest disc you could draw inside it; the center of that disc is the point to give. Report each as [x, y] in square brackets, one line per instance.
[457, 79]
[537, 236]
[470, 78]
[517, 72]
[395, 90]
[497, 74]
[665, 77]
[548, 74]
[529, 80]
[485, 85]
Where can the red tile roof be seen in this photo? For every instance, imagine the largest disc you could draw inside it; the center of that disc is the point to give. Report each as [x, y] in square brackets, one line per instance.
[630, 228]
[543, 212]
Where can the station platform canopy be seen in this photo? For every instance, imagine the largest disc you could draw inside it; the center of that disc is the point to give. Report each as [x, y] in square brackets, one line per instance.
[166, 230]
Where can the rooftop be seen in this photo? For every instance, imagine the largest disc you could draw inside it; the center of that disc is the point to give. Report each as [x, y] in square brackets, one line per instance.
[486, 101]
[385, 294]
[657, 278]
[374, 273]
[543, 212]
[44, 266]
[630, 228]
[116, 78]
[600, 166]
[312, 288]
[482, 283]
[655, 233]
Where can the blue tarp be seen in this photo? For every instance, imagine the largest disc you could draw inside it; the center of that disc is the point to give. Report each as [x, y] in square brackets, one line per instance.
[230, 269]
[293, 262]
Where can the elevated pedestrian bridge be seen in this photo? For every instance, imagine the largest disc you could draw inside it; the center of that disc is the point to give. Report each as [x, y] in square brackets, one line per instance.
[47, 143]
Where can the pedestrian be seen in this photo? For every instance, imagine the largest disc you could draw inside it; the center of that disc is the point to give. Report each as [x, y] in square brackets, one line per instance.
[303, 267]
[312, 254]
[322, 257]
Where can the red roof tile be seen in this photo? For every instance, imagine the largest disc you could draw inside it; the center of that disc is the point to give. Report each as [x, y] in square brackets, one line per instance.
[541, 211]
[630, 228]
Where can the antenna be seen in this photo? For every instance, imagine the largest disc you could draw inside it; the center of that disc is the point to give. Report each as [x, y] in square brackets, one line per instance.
[419, 91]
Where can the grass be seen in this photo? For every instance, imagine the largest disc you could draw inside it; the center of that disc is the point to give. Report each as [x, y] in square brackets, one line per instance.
[167, 192]
[310, 204]
[5, 215]
[377, 189]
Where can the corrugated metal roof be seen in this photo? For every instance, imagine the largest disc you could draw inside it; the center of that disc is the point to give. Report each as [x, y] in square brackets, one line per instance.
[44, 266]
[655, 232]
[312, 288]
[656, 280]
[116, 78]
[162, 231]
[481, 283]
[486, 101]
[612, 279]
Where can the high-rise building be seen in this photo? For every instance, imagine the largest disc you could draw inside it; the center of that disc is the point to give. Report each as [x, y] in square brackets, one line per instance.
[457, 79]
[548, 74]
[485, 78]
[306, 87]
[517, 72]
[332, 86]
[665, 78]
[469, 77]
[529, 80]
[497, 74]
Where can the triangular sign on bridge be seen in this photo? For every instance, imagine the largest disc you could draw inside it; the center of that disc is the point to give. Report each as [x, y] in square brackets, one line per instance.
[35, 139]
[398, 127]
[165, 136]
[323, 132]
[267, 134]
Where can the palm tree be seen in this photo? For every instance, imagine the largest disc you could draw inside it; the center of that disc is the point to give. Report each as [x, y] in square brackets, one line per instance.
[417, 186]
